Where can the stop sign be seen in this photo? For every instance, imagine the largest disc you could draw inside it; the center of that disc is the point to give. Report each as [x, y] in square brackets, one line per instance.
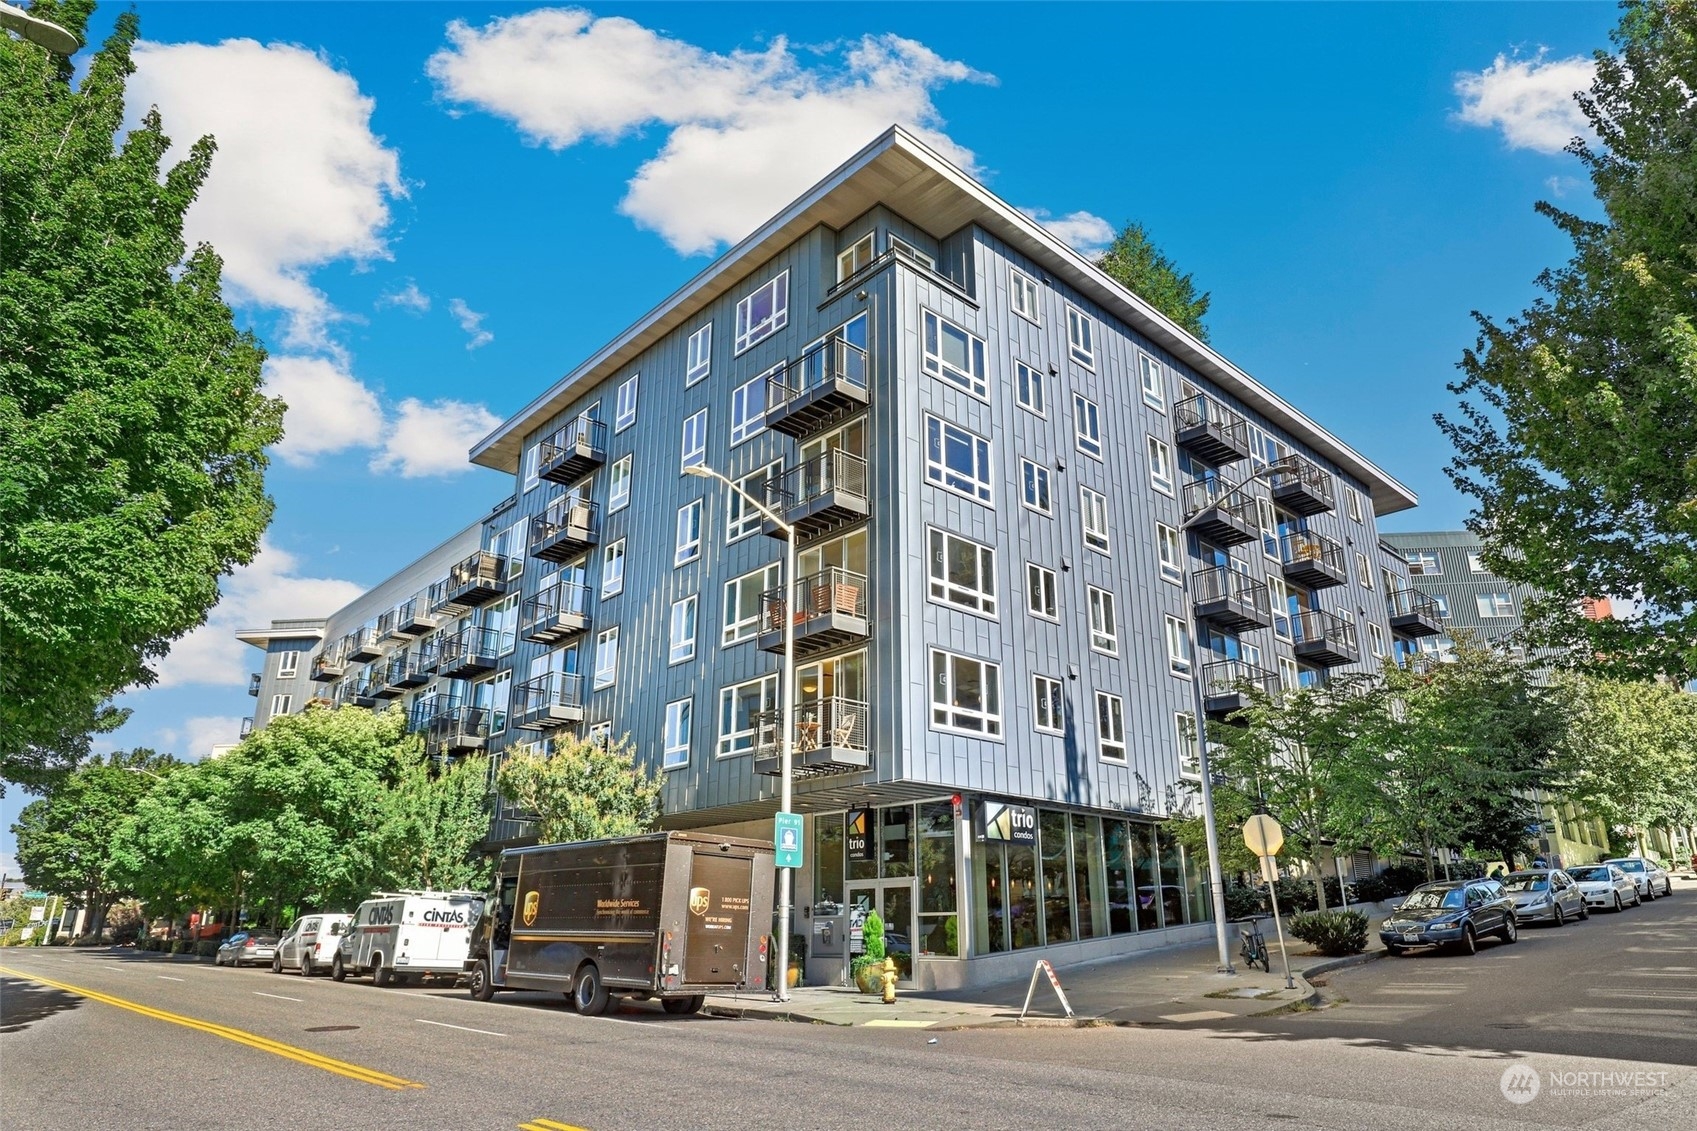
[1263, 835]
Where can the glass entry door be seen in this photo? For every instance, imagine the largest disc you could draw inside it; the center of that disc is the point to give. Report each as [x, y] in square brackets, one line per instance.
[893, 900]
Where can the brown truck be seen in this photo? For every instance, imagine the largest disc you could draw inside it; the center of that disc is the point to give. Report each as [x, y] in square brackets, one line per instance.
[673, 915]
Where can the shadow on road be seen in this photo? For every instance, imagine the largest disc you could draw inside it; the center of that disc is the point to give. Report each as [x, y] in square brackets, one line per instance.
[22, 1004]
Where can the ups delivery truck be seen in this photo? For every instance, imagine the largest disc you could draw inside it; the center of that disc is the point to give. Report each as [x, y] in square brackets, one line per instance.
[674, 915]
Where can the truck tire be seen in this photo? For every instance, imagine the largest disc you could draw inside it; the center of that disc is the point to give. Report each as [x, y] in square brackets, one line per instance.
[589, 992]
[380, 974]
[682, 1006]
[337, 971]
[481, 984]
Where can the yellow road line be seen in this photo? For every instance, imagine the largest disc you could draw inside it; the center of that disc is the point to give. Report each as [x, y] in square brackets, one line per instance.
[264, 1044]
[547, 1125]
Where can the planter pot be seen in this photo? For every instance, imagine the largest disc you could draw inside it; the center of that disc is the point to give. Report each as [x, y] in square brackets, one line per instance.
[870, 979]
[795, 977]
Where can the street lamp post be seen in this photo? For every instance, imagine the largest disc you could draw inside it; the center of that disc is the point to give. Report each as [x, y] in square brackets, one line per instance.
[38, 31]
[786, 779]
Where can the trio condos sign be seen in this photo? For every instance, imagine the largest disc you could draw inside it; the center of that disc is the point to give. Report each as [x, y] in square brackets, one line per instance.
[1001, 821]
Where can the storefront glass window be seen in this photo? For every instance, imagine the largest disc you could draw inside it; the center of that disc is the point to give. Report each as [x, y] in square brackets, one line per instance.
[895, 826]
[1116, 850]
[1172, 882]
[989, 885]
[828, 859]
[1147, 875]
[1087, 881]
[938, 932]
[1196, 883]
[1057, 877]
[1022, 896]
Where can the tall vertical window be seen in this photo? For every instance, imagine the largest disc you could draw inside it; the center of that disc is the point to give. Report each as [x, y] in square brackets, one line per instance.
[279, 705]
[677, 734]
[1046, 709]
[966, 694]
[1267, 518]
[695, 439]
[1476, 563]
[957, 459]
[1104, 625]
[738, 706]
[748, 409]
[699, 360]
[858, 255]
[1153, 380]
[288, 663]
[741, 519]
[1087, 426]
[1022, 293]
[1081, 337]
[1110, 726]
[1363, 570]
[955, 355]
[1189, 750]
[1353, 497]
[607, 658]
[1035, 481]
[1093, 514]
[742, 603]
[613, 569]
[532, 461]
[1040, 592]
[618, 484]
[683, 631]
[963, 573]
[1375, 640]
[689, 533]
[1290, 676]
[1160, 466]
[624, 411]
[1171, 550]
[763, 313]
[1178, 646]
[1278, 595]
[1029, 387]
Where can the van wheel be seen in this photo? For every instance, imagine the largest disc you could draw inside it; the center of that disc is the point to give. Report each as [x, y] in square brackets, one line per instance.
[481, 985]
[589, 992]
[306, 964]
[277, 963]
[337, 971]
[380, 974]
[683, 1005]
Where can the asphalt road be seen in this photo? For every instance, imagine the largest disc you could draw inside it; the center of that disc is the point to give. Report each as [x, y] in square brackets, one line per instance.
[166, 1043]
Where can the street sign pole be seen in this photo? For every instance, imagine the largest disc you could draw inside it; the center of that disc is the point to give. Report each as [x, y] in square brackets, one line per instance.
[1264, 836]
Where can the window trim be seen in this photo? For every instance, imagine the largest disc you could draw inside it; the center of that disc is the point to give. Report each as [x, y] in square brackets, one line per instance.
[749, 426]
[938, 470]
[751, 518]
[1083, 408]
[677, 652]
[687, 458]
[993, 724]
[1177, 631]
[676, 710]
[1082, 347]
[1507, 600]
[1048, 489]
[1041, 577]
[1170, 571]
[975, 384]
[731, 631]
[683, 553]
[1103, 742]
[1155, 398]
[1100, 600]
[606, 674]
[1417, 568]
[613, 584]
[749, 334]
[857, 264]
[768, 701]
[1184, 734]
[985, 597]
[619, 490]
[1166, 486]
[1039, 381]
[530, 465]
[698, 360]
[1058, 725]
[1015, 278]
[288, 665]
[1091, 504]
[625, 415]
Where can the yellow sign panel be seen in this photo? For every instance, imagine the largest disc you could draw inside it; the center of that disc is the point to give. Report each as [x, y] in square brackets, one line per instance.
[532, 903]
[699, 900]
[1263, 835]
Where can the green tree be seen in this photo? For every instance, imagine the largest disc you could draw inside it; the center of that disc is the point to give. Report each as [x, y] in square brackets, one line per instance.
[436, 824]
[1577, 432]
[1135, 262]
[586, 790]
[1636, 755]
[132, 420]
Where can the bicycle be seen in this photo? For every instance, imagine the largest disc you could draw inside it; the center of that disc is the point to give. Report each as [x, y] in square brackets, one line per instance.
[1254, 949]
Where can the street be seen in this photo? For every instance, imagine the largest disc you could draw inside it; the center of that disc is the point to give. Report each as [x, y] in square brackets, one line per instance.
[1421, 1042]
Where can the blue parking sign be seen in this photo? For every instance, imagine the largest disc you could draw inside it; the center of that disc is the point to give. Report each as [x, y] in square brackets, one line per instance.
[786, 839]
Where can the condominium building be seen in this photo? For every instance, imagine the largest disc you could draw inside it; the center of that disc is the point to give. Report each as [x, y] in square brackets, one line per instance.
[1037, 524]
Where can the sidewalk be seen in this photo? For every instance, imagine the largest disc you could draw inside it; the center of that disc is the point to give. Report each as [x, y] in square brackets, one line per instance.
[1171, 986]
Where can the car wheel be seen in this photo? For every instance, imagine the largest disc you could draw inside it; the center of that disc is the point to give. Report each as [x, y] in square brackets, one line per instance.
[1584, 910]
[680, 1006]
[1469, 941]
[1667, 887]
[589, 992]
[1619, 906]
[1511, 930]
[380, 974]
[1393, 949]
[1560, 918]
[480, 984]
[338, 972]
[277, 963]
[1637, 900]
[1650, 892]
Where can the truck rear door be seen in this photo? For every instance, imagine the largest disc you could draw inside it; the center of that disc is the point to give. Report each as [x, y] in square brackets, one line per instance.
[716, 942]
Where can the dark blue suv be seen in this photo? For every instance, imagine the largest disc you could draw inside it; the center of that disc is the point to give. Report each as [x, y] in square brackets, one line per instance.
[1451, 913]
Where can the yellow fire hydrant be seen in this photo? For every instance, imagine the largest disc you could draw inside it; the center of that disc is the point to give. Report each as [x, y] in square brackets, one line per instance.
[888, 978]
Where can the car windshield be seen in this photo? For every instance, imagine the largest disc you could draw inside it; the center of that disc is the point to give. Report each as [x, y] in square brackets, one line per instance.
[1630, 865]
[1597, 873]
[1421, 898]
[1526, 882]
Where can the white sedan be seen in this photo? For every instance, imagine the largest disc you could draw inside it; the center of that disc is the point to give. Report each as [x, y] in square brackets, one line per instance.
[1605, 885]
[1648, 875]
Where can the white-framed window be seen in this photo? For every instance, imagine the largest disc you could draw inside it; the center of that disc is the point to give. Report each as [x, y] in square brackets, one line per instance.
[1047, 713]
[1353, 498]
[532, 461]
[1376, 640]
[858, 255]
[1104, 623]
[677, 734]
[963, 573]
[1093, 515]
[1424, 563]
[763, 312]
[1443, 604]
[954, 354]
[1110, 727]
[1268, 520]
[1391, 581]
[288, 663]
[1290, 676]
[738, 706]
[618, 484]
[1363, 570]
[689, 533]
[748, 409]
[919, 257]
[966, 694]
[1022, 294]
[613, 568]
[1169, 545]
[1035, 484]
[624, 404]
[1081, 337]
[1278, 596]
[1476, 564]
[699, 355]
[1154, 382]
[1030, 385]
[695, 440]
[1040, 598]
[1178, 646]
[607, 657]
[682, 647]
[1189, 750]
[742, 603]
[1160, 466]
[600, 734]
[279, 705]
[1495, 604]
[1087, 425]
[741, 519]
[957, 460]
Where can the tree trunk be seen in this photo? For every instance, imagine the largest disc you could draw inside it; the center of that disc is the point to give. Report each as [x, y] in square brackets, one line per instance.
[1319, 865]
[1426, 853]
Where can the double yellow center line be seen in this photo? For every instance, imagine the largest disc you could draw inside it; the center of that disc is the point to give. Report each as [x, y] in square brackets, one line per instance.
[547, 1125]
[252, 1040]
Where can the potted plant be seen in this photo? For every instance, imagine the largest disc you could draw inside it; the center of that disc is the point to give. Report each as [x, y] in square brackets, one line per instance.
[868, 966]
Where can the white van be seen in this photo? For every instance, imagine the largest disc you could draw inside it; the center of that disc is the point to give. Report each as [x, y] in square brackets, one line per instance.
[309, 942]
[397, 935]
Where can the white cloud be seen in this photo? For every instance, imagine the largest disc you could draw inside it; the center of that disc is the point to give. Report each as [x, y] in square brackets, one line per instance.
[1085, 232]
[198, 735]
[299, 179]
[471, 322]
[329, 409]
[749, 130]
[408, 297]
[1530, 100]
[252, 596]
[433, 439]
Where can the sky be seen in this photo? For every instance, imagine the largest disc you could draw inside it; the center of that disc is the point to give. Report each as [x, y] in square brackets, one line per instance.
[430, 211]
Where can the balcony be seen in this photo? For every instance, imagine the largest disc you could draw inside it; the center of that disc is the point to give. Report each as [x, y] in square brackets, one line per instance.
[386, 626]
[457, 730]
[363, 690]
[1209, 430]
[548, 701]
[246, 727]
[360, 646]
[1301, 485]
[832, 613]
[253, 683]
[413, 617]
[1228, 686]
[427, 656]
[328, 665]
[557, 613]
[1230, 599]
[565, 530]
[828, 384]
[824, 494]
[404, 672]
[1312, 560]
[1325, 639]
[1413, 613]
[472, 651]
[832, 736]
[1219, 512]
[476, 581]
[573, 451]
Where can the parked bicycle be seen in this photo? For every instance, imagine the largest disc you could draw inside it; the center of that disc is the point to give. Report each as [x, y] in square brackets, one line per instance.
[1254, 948]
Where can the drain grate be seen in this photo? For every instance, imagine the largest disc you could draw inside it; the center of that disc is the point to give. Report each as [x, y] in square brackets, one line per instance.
[331, 1028]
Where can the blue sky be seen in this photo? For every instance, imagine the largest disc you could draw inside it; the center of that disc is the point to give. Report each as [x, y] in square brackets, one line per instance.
[430, 211]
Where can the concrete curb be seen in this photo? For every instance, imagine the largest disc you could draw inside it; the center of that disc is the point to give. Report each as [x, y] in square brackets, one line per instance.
[1331, 964]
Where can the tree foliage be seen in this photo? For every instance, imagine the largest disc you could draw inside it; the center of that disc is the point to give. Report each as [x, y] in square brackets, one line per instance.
[1577, 433]
[1637, 766]
[437, 823]
[586, 790]
[132, 420]
[1135, 262]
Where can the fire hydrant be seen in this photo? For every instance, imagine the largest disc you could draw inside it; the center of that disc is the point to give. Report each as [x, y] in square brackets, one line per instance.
[888, 978]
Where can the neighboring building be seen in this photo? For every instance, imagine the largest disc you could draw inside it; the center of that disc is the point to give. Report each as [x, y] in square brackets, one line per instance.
[280, 686]
[1005, 472]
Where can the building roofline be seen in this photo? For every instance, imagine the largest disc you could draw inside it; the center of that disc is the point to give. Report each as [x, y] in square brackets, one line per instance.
[262, 637]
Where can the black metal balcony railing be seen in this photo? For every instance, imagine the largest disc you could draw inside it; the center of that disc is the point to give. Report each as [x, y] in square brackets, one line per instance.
[832, 736]
[328, 665]
[1301, 485]
[472, 651]
[1210, 430]
[1219, 511]
[476, 581]
[253, 683]
[821, 495]
[360, 646]
[386, 625]
[826, 384]
[1228, 686]
[1324, 638]
[1312, 560]
[426, 655]
[413, 618]
[457, 730]
[572, 450]
[831, 612]
[246, 727]
[404, 671]
[558, 612]
[1413, 613]
[425, 709]
[551, 700]
[363, 689]
[567, 528]
[1231, 599]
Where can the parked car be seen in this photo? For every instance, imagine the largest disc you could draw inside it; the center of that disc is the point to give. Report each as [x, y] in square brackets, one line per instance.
[1647, 876]
[1451, 913]
[246, 948]
[1605, 885]
[1545, 894]
[310, 943]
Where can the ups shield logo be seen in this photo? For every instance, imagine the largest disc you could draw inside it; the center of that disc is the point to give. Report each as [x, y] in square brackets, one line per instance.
[532, 901]
[699, 898]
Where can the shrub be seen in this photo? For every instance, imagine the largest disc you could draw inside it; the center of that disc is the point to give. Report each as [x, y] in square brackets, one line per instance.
[1331, 932]
[206, 948]
[1244, 900]
[182, 946]
[1400, 879]
[1373, 889]
[872, 939]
